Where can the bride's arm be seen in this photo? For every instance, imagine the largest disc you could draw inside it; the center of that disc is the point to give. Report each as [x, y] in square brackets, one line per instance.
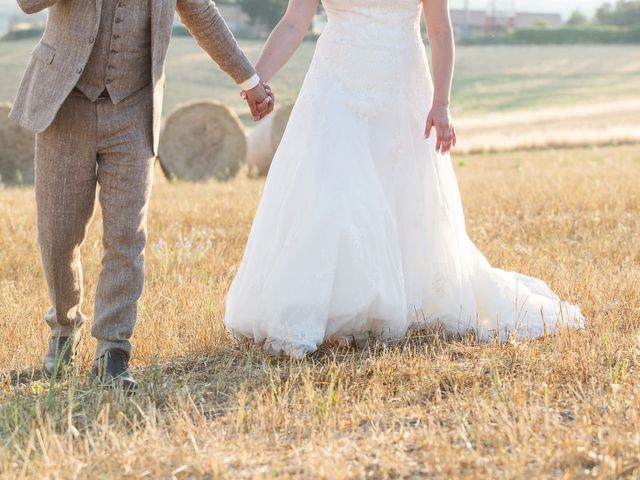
[286, 37]
[441, 42]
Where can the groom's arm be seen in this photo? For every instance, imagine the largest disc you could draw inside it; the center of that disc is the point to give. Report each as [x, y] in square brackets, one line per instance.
[209, 29]
[35, 6]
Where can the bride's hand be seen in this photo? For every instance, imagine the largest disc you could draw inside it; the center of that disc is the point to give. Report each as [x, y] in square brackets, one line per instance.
[440, 119]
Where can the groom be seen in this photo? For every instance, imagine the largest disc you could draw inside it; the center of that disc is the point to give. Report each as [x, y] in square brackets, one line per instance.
[93, 93]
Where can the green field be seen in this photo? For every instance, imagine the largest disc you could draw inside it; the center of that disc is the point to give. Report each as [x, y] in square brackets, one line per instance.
[503, 78]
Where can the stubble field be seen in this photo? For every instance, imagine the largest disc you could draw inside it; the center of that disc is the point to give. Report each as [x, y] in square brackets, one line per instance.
[566, 406]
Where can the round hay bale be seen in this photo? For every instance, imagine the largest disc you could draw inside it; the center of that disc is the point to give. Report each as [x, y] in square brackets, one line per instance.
[17, 151]
[263, 141]
[202, 140]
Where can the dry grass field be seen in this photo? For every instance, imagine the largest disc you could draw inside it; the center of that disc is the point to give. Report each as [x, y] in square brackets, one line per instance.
[567, 406]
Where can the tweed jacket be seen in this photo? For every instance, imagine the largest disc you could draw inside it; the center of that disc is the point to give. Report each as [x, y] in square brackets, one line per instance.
[58, 60]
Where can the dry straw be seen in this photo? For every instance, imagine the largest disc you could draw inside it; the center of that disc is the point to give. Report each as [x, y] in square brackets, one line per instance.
[263, 141]
[16, 151]
[202, 140]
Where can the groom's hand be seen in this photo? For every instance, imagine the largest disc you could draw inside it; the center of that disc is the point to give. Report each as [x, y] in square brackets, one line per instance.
[260, 100]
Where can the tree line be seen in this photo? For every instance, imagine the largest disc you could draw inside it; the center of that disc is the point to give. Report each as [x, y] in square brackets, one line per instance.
[617, 22]
[624, 13]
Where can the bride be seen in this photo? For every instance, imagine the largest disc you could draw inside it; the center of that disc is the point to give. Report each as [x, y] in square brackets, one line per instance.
[360, 231]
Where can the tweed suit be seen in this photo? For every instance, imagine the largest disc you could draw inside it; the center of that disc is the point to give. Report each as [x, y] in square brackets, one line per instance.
[96, 113]
[58, 61]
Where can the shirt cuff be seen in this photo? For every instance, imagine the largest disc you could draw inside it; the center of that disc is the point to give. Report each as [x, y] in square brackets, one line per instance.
[250, 83]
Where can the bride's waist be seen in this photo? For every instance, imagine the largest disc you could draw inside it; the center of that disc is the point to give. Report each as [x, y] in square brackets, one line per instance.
[341, 54]
[377, 72]
[372, 37]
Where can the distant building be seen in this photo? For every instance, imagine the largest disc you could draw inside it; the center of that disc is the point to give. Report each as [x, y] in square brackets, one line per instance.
[481, 22]
[475, 22]
[528, 20]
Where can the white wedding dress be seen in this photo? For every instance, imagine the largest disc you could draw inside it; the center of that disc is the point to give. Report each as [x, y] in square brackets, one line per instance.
[360, 230]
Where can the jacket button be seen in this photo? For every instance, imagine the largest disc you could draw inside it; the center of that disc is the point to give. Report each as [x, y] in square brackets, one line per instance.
[92, 39]
[79, 71]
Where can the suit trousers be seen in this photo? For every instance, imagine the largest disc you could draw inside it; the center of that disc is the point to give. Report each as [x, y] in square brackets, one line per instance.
[91, 145]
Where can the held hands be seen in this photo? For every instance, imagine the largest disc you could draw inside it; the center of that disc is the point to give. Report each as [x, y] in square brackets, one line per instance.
[260, 100]
[440, 119]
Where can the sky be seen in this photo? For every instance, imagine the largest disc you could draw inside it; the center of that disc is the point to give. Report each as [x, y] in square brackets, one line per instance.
[555, 6]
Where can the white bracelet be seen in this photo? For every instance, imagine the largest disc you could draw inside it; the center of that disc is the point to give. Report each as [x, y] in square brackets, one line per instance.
[250, 83]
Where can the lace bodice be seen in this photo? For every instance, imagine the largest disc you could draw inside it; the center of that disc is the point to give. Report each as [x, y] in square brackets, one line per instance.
[371, 52]
[388, 23]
